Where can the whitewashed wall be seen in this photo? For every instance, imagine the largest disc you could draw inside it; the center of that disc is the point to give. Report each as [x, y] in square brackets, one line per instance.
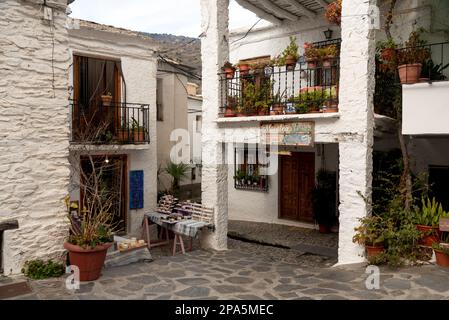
[194, 106]
[34, 168]
[139, 67]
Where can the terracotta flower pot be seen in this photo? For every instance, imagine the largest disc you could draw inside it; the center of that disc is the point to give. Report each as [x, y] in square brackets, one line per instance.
[139, 135]
[244, 69]
[106, 100]
[410, 73]
[328, 62]
[229, 113]
[230, 73]
[262, 112]
[442, 258]
[311, 64]
[388, 54]
[290, 62]
[331, 107]
[277, 109]
[89, 261]
[373, 251]
[123, 134]
[430, 235]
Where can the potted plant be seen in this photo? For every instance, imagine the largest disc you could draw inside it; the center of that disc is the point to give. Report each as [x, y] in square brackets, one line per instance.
[441, 254]
[106, 99]
[229, 70]
[90, 234]
[331, 103]
[411, 58]
[329, 54]
[256, 179]
[290, 55]
[278, 104]
[324, 200]
[333, 12]
[138, 132]
[427, 220]
[371, 234]
[231, 106]
[239, 177]
[387, 50]
[244, 68]
[312, 55]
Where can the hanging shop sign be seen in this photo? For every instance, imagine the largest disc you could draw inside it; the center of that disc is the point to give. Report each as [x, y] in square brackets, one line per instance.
[300, 134]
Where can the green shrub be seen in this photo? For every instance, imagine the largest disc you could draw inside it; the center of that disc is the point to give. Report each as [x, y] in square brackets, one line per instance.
[38, 269]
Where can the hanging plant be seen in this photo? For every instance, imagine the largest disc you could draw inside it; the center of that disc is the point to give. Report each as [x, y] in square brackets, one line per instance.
[333, 12]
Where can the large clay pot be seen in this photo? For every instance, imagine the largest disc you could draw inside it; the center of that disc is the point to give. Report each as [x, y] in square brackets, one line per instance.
[410, 73]
[374, 251]
[430, 235]
[139, 135]
[442, 258]
[89, 261]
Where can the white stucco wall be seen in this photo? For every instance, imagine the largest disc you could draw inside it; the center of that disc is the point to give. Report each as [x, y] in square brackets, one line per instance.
[139, 67]
[194, 105]
[34, 168]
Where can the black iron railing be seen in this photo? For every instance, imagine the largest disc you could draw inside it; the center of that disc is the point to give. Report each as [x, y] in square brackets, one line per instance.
[110, 123]
[306, 87]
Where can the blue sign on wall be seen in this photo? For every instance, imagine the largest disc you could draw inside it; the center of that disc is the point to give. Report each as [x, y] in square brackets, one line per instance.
[136, 189]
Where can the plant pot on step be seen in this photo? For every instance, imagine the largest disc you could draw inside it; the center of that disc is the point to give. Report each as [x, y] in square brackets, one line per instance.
[442, 258]
[324, 229]
[430, 235]
[89, 261]
[373, 251]
[410, 73]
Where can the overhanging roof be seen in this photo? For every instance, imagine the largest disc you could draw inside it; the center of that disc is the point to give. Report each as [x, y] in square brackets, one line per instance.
[279, 11]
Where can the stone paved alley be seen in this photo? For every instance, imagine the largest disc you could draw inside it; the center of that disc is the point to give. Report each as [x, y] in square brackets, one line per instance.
[249, 271]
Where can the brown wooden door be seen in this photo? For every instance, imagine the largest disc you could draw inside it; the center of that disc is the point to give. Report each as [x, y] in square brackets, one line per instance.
[297, 179]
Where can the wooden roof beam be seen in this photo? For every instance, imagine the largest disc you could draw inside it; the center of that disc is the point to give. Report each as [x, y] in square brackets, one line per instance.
[259, 12]
[278, 11]
[300, 7]
[322, 3]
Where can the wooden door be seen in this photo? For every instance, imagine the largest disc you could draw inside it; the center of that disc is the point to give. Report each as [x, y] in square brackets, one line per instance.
[297, 179]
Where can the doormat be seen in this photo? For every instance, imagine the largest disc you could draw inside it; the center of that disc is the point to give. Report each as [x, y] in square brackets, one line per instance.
[14, 290]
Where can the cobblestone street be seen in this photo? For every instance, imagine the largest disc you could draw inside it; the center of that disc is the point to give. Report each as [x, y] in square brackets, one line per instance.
[249, 271]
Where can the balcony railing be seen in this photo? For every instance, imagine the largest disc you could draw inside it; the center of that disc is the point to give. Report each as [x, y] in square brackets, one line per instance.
[110, 123]
[307, 87]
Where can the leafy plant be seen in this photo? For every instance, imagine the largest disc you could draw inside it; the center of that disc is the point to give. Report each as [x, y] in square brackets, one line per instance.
[333, 12]
[177, 172]
[310, 100]
[371, 231]
[328, 51]
[414, 51]
[437, 246]
[292, 51]
[38, 269]
[434, 71]
[430, 213]
[311, 53]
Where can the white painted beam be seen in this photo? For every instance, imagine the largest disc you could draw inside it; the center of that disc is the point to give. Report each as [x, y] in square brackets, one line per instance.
[259, 12]
[300, 7]
[277, 10]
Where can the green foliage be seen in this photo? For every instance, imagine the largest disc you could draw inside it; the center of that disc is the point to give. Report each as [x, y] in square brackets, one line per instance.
[38, 269]
[434, 71]
[430, 213]
[371, 231]
[415, 50]
[311, 100]
[386, 44]
[177, 172]
[324, 198]
[256, 97]
[439, 247]
[292, 50]
[240, 175]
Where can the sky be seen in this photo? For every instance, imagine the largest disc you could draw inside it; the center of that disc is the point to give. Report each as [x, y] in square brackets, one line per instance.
[178, 17]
